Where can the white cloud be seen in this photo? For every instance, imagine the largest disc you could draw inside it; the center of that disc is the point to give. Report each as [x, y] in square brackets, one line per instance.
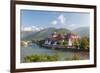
[30, 28]
[26, 29]
[34, 28]
[54, 22]
[72, 25]
[41, 28]
[62, 19]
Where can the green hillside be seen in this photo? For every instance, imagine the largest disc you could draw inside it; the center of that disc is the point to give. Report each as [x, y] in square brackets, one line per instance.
[46, 33]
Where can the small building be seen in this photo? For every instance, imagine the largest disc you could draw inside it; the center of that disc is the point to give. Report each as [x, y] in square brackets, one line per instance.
[71, 37]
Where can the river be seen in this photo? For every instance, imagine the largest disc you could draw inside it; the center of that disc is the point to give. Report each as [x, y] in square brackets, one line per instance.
[35, 49]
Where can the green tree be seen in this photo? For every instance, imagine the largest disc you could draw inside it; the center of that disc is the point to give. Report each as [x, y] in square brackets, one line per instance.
[76, 43]
[65, 43]
[61, 42]
[84, 43]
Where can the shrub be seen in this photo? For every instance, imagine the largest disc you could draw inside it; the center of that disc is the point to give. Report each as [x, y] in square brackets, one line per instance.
[41, 58]
[84, 43]
[75, 57]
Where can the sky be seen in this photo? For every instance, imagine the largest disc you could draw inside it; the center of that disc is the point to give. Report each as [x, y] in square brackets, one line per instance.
[37, 20]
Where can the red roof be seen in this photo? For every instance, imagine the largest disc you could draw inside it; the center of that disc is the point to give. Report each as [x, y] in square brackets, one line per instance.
[72, 36]
[68, 36]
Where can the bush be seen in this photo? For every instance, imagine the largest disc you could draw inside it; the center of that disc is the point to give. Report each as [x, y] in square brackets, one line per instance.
[74, 57]
[84, 43]
[41, 58]
[76, 44]
[62, 43]
[68, 58]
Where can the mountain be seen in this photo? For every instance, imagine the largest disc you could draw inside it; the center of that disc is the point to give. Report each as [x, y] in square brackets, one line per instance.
[47, 32]
[62, 31]
[82, 31]
[43, 34]
[25, 34]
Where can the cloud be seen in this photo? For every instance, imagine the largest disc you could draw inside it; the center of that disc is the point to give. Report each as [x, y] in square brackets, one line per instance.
[41, 28]
[30, 28]
[72, 25]
[61, 19]
[34, 28]
[54, 22]
[26, 29]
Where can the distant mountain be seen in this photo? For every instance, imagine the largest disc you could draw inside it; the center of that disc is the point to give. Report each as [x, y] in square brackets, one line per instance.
[62, 31]
[25, 34]
[42, 34]
[82, 31]
[47, 32]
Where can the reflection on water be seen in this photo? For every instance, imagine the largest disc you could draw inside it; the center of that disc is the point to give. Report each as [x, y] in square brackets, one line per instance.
[35, 49]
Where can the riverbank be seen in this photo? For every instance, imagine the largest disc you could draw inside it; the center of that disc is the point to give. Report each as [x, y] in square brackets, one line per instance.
[36, 49]
[64, 48]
